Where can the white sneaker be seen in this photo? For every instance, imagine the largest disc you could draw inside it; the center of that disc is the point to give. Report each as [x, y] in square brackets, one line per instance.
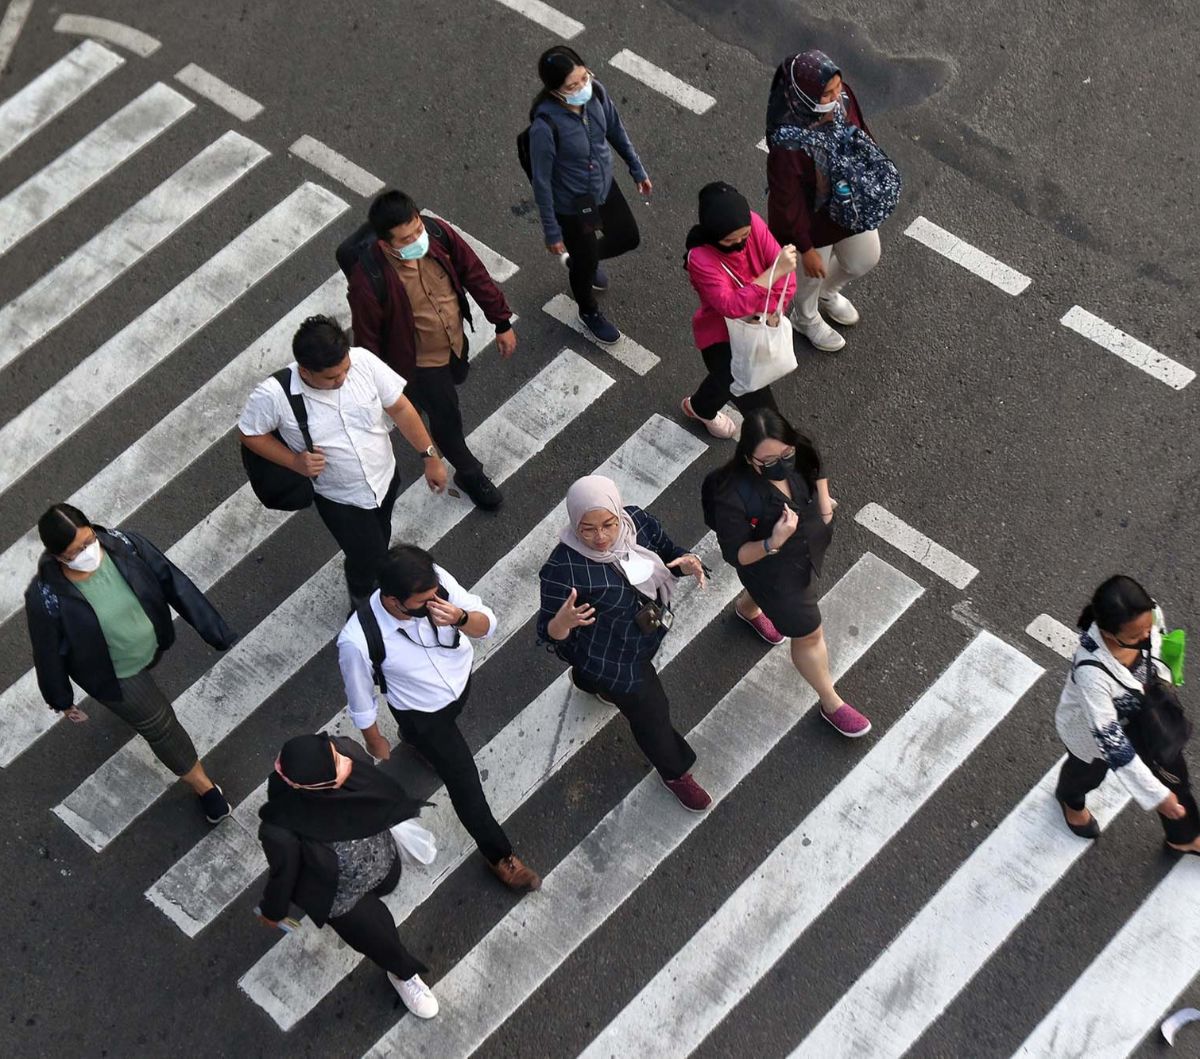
[416, 996]
[822, 336]
[840, 310]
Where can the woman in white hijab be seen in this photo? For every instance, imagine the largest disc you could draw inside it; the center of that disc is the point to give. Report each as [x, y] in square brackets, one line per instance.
[606, 606]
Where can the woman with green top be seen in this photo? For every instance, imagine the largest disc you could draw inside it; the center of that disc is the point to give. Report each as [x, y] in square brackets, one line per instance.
[99, 613]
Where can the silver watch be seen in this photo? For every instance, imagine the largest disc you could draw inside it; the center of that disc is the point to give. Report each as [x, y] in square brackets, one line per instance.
[429, 453]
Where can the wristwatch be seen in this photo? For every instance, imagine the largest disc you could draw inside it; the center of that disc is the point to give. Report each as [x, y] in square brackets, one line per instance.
[767, 549]
[466, 617]
[429, 453]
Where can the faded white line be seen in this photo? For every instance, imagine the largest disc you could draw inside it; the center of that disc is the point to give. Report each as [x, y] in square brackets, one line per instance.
[338, 166]
[228, 98]
[52, 91]
[971, 258]
[662, 81]
[499, 267]
[546, 16]
[625, 349]
[1128, 348]
[10, 28]
[81, 167]
[1127, 989]
[913, 543]
[1060, 638]
[118, 33]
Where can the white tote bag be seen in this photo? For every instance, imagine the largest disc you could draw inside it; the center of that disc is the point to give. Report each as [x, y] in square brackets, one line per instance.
[761, 353]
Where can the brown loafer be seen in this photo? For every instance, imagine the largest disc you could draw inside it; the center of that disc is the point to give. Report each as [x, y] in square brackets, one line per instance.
[515, 875]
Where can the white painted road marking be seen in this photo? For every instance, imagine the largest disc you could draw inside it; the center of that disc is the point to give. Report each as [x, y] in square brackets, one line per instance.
[338, 166]
[52, 91]
[962, 253]
[10, 28]
[1129, 987]
[96, 156]
[544, 15]
[947, 943]
[767, 914]
[662, 81]
[132, 779]
[1060, 638]
[1128, 348]
[484, 988]
[68, 286]
[64, 408]
[517, 762]
[499, 267]
[625, 349]
[134, 40]
[212, 88]
[913, 543]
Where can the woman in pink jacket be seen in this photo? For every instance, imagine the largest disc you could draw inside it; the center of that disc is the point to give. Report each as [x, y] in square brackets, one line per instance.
[729, 259]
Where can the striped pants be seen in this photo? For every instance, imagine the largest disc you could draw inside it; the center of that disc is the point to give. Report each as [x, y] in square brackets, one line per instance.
[145, 708]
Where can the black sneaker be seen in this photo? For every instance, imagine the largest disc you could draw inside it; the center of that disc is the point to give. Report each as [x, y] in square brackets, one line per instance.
[601, 329]
[215, 807]
[600, 279]
[481, 489]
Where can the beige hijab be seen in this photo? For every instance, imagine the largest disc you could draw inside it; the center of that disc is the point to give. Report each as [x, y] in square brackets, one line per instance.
[641, 567]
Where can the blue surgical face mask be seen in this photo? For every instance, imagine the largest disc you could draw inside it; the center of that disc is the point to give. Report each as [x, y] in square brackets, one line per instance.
[579, 98]
[415, 249]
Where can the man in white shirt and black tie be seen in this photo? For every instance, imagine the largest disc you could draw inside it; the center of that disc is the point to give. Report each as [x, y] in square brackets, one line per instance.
[427, 621]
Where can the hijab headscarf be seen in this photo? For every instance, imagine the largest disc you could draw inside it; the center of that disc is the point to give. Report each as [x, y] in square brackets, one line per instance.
[368, 802]
[723, 209]
[796, 89]
[642, 568]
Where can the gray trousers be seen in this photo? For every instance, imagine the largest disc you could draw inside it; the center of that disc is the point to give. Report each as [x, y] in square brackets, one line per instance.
[145, 708]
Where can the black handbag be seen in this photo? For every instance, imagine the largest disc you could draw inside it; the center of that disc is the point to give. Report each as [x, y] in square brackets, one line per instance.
[277, 487]
[1159, 729]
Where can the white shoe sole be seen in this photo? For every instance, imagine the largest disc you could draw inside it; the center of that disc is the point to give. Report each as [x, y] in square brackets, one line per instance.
[595, 337]
[828, 346]
[843, 321]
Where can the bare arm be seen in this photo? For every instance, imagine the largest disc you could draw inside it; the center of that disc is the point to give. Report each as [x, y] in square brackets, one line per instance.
[269, 447]
[408, 421]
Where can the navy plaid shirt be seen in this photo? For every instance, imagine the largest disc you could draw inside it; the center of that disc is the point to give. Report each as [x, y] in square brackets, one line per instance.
[612, 649]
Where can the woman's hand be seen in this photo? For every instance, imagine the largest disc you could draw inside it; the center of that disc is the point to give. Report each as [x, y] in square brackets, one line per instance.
[645, 187]
[558, 249]
[814, 264]
[691, 565]
[570, 617]
[75, 714]
[787, 261]
[784, 528]
[1171, 809]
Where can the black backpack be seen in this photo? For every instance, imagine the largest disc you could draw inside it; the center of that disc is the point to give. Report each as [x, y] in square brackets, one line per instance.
[278, 487]
[1160, 727]
[358, 248]
[523, 155]
[374, 637]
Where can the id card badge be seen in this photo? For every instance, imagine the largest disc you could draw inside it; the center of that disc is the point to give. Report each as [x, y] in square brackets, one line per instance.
[665, 619]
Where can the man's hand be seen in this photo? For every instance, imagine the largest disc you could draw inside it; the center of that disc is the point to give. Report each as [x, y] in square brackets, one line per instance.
[435, 474]
[557, 249]
[506, 342]
[645, 187]
[377, 746]
[443, 613]
[814, 264]
[309, 464]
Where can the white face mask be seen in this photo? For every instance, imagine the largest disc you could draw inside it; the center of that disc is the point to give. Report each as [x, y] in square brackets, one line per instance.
[825, 108]
[87, 560]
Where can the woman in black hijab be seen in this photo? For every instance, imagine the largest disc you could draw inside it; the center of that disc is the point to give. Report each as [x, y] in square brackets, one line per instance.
[325, 831]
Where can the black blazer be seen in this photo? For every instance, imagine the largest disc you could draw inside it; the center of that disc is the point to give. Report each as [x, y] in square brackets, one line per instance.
[68, 643]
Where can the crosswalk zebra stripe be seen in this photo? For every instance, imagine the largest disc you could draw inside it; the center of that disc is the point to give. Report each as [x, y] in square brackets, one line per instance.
[130, 354]
[131, 780]
[946, 944]
[52, 91]
[70, 285]
[784, 895]
[112, 142]
[484, 988]
[1127, 989]
[499, 267]
[635, 357]
[522, 757]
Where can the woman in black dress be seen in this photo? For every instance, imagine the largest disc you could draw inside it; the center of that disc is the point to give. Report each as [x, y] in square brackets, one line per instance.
[772, 513]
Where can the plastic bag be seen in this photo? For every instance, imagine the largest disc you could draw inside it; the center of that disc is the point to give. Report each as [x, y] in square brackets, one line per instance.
[416, 844]
[760, 353]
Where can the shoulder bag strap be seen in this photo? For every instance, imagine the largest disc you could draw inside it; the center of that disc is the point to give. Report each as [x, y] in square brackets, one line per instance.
[374, 638]
[284, 377]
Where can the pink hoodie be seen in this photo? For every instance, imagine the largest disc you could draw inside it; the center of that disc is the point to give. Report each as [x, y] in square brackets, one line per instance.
[720, 296]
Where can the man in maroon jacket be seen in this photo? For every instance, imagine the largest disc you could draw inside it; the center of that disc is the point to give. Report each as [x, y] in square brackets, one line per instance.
[425, 270]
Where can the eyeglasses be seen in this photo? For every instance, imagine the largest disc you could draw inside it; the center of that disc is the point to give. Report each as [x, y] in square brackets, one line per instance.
[569, 89]
[73, 553]
[595, 531]
[771, 461]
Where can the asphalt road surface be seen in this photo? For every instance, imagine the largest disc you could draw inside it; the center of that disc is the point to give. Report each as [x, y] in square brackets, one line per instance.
[1046, 142]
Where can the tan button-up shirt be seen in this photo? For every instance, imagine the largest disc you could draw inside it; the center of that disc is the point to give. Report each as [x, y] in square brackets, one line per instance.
[436, 314]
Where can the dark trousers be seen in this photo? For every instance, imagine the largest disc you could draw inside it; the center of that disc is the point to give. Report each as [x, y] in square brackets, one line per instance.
[1078, 777]
[369, 928]
[363, 534]
[436, 736]
[713, 392]
[649, 717]
[149, 712]
[434, 392]
[618, 235]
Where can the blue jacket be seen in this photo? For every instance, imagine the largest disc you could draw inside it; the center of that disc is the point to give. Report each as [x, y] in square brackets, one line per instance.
[578, 160]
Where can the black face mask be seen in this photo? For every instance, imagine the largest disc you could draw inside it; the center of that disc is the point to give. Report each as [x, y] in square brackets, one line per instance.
[737, 248]
[1141, 645]
[778, 471]
[423, 610]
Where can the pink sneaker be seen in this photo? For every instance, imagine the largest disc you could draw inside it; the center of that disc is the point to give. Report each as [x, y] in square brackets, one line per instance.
[720, 426]
[847, 720]
[764, 626]
[693, 797]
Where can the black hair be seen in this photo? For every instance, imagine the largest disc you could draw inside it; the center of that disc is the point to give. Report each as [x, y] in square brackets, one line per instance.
[407, 571]
[554, 67]
[320, 343]
[765, 424]
[390, 210]
[58, 525]
[1116, 602]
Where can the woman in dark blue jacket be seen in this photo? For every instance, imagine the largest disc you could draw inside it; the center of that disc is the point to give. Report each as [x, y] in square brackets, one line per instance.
[99, 614]
[572, 122]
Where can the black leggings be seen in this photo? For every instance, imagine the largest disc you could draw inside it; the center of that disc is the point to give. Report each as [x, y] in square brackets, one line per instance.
[369, 928]
[713, 392]
[619, 235]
